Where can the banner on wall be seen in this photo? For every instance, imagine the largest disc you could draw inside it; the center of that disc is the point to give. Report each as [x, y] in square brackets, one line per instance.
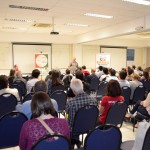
[41, 60]
[130, 57]
[103, 59]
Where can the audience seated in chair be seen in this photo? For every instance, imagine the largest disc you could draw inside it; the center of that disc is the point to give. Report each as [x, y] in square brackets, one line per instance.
[33, 80]
[100, 72]
[19, 77]
[55, 83]
[113, 94]
[4, 87]
[122, 79]
[49, 76]
[81, 99]
[134, 83]
[32, 130]
[105, 75]
[79, 75]
[142, 107]
[129, 74]
[112, 76]
[84, 71]
[92, 75]
[26, 106]
[11, 76]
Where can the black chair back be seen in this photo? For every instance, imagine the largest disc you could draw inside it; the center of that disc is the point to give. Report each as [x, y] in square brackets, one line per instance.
[28, 97]
[67, 81]
[126, 92]
[139, 94]
[18, 87]
[10, 127]
[94, 84]
[61, 99]
[48, 142]
[147, 85]
[85, 120]
[101, 91]
[105, 137]
[116, 113]
[8, 103]
[146, 143]
[57, 87]
[23, 86]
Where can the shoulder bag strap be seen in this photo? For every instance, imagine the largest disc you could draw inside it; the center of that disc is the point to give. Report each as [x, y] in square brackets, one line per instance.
[46, 127]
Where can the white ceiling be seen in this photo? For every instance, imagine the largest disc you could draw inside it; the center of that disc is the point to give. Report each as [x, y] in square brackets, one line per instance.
[68, 11]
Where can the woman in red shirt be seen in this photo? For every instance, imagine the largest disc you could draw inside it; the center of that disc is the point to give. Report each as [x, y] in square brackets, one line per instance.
[113, 94]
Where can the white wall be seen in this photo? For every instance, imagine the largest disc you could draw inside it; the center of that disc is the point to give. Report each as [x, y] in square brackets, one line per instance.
[5, 58]
[61, 56]
[89, 55]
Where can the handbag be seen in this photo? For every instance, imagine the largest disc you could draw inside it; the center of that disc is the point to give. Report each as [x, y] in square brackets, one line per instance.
[140, 135]
[47, 127]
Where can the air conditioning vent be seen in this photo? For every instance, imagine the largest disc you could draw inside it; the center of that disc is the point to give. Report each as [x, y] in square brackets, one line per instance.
[42, 25]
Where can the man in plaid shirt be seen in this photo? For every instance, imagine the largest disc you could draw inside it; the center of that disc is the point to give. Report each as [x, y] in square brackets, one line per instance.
[81, 99]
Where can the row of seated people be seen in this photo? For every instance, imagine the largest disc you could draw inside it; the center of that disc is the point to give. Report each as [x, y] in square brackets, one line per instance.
[103, 74]
[81, 99]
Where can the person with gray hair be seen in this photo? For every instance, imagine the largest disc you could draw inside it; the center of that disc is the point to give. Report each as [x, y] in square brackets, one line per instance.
[80, 100]
[25, 108]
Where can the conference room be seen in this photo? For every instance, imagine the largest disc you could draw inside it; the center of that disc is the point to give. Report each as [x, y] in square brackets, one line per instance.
[48, 34]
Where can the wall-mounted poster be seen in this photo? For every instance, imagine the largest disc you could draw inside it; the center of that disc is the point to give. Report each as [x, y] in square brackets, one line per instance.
[41, 60]
[103, 59]
[130, 54]
[130, 57]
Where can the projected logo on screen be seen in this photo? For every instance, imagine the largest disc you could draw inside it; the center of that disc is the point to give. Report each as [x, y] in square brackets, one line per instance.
[41, 60]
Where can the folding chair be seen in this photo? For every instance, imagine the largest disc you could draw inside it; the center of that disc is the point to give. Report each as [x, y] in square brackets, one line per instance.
[48, 142]
[85, 120]
[116, 113]
[10, 128]
[28, 97]
[101, 91]
[8, 103]
[139, 94]
[61, 99]
[105, 137]
[23, 86]
[126, 92]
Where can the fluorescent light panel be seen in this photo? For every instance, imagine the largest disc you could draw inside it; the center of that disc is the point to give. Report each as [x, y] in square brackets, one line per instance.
[98, 15]
[77, 25]
[14, 28]
[18, 20]
[28, 7]
[141, 2]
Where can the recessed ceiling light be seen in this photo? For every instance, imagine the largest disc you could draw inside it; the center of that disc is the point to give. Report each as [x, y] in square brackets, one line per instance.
[77, 25]
[18, 20]
[98, 15]
[141, 2]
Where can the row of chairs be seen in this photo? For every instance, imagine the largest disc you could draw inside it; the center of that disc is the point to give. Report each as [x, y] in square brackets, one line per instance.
[85, 120]
[105, 137]
[99, 138]
[8, 101]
